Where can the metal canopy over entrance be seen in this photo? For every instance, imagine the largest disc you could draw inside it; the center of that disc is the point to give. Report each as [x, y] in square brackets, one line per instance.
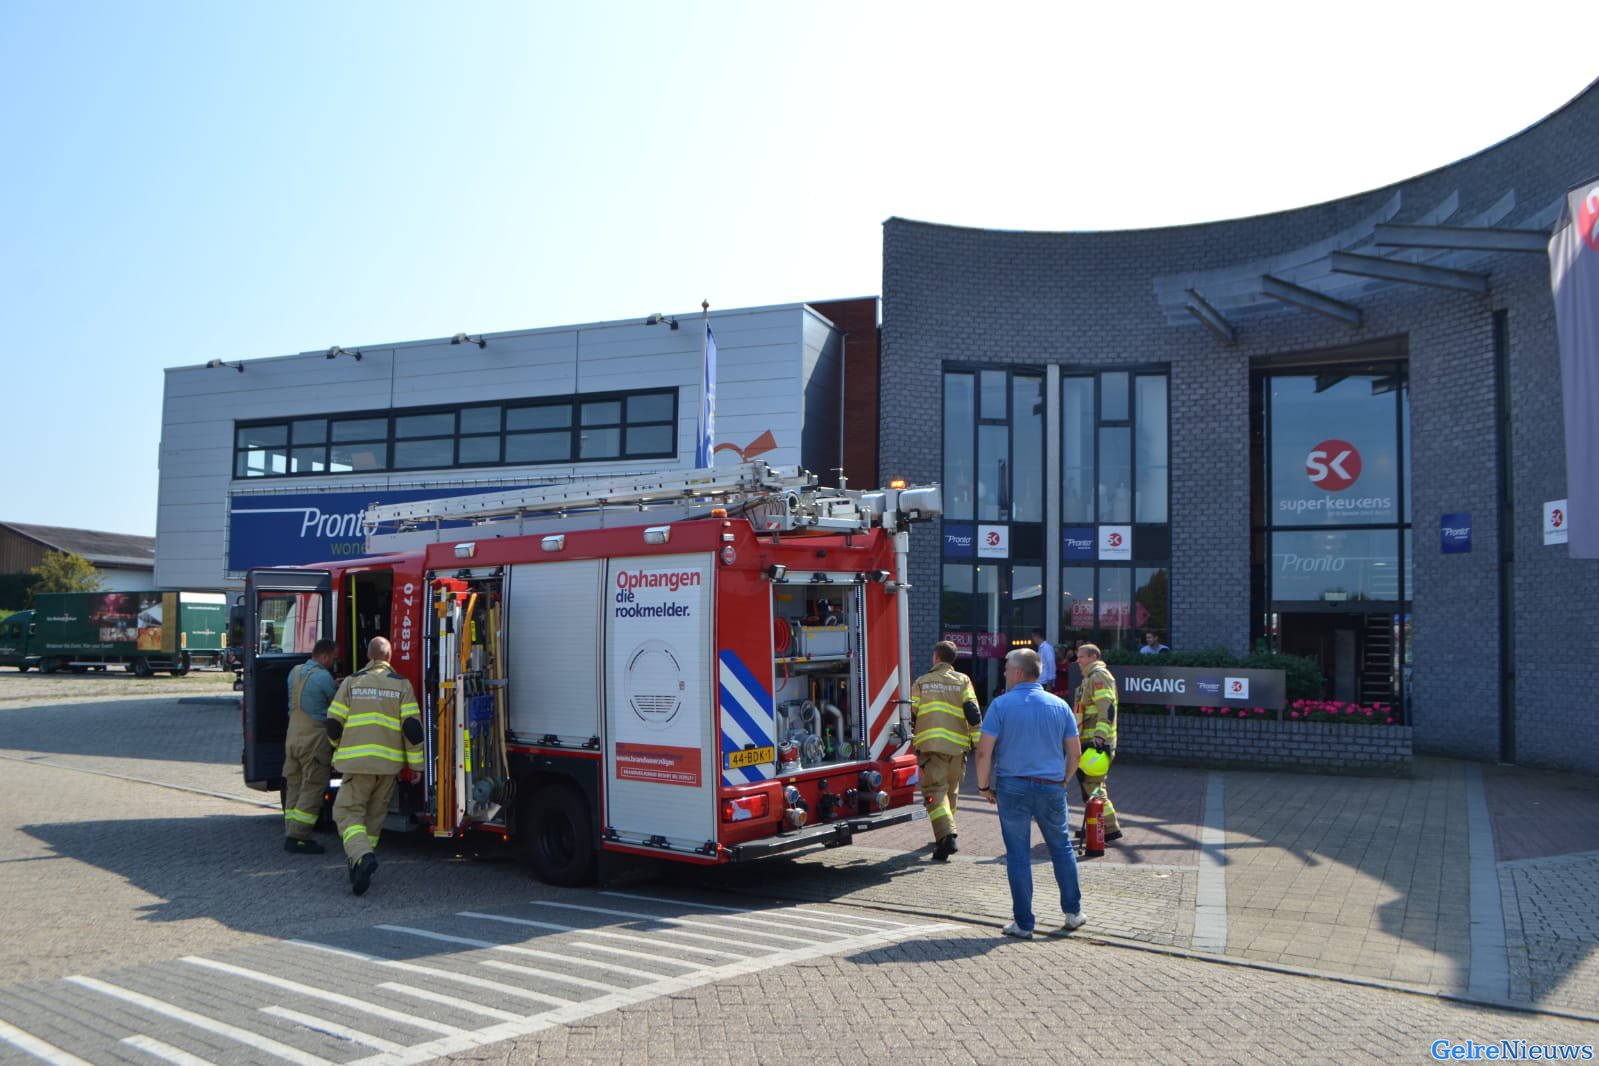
[1439, 249]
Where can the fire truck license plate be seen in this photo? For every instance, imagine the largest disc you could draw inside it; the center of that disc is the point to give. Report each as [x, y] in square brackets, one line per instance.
[750, 757]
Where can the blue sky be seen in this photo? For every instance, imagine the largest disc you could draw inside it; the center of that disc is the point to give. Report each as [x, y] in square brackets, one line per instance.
[200, 180]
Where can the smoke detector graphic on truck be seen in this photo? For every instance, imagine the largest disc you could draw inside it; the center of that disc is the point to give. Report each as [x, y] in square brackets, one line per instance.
[654, 684]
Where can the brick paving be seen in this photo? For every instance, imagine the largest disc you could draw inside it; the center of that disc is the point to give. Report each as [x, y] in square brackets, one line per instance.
[1541, 813]
[978, 998]
[1356, 876]
[1359, 876]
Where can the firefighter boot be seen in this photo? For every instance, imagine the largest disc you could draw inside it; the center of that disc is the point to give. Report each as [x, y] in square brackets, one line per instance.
[297, 846]
[361, 874]
[945, 848]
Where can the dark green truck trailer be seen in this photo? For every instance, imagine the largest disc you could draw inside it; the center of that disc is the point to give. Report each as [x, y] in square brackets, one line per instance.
[141, 631]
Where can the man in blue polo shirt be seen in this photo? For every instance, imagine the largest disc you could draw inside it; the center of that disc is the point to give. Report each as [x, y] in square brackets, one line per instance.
[1028, 752]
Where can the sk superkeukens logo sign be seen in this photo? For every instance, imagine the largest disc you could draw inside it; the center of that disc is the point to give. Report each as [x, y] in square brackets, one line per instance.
[1333, 465]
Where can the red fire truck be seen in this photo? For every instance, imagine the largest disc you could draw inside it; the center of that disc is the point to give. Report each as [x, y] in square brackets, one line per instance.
[706, 666]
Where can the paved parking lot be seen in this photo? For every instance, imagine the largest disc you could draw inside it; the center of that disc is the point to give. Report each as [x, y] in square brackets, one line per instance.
[153, 918]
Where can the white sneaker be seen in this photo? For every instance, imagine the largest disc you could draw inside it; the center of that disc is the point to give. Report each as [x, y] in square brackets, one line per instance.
[1017, 931]
[1074, 922]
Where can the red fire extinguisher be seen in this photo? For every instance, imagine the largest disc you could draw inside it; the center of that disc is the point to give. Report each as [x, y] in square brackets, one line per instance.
[1094, 825]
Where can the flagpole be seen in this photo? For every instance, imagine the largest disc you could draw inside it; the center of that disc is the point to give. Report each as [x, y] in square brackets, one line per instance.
[705, 384]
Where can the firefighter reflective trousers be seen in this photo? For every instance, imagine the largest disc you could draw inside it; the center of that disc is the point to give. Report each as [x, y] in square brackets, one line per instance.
[1088, 784]
[941, 774]
[359, 810]
[307, 764]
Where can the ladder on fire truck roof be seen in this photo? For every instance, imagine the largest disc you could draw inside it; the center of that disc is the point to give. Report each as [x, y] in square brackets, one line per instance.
[774, 499]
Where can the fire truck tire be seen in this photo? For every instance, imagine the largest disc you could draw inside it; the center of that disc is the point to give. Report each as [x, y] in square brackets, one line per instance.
[558, 836]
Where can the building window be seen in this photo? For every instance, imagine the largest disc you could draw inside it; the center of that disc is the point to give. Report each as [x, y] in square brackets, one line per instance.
[1332, 536]
[1115, 472]
[1115, 448]
[585, 428]
[993, 446]
[993, 436]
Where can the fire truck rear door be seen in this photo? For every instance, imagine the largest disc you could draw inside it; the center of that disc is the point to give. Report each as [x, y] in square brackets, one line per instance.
[285, 613]
[660, 702]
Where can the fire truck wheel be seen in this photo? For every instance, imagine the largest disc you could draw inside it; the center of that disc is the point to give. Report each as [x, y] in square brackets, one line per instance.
[558, 836]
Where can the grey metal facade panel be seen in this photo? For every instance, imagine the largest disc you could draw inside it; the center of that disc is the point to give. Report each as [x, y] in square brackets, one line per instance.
[760, 354]
[1087, 300]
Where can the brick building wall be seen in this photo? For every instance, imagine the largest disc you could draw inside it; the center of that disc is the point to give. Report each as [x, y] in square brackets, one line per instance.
[1266, 745]
[1087, 300]
[857, 320]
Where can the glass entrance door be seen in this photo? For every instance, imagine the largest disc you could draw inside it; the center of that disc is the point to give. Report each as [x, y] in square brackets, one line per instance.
[986, 611]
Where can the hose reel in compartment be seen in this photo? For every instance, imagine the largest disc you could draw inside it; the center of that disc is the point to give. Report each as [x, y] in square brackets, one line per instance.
[817, 670]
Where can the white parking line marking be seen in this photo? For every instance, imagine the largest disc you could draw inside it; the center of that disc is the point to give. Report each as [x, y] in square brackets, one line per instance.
[165, 1052]
[636, 938]
[534, 971]
[581, 982]
[545, 998]
[648, 975]
[578, 1012]
[331, 1028]
[200, 1021]
[453, 1002]
[325, 995]
[748, 951]
[796, 914]
[868, 920]
[722, 930]
[553, 956]
[783, 925]
[672, 944]
[630, 953]
[39, 1049]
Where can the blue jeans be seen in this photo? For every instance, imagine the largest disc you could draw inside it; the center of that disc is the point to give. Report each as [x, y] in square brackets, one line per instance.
[1021, 803]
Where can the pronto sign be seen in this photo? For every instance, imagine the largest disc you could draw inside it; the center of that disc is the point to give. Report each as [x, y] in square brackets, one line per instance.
[1188, 687]
[294, 528]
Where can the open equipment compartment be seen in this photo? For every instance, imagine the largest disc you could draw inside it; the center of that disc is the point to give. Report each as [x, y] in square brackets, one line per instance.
[467, 779]
[818, 663]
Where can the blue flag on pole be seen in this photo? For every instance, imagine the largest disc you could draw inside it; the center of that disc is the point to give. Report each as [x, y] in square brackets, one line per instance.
[702, 453]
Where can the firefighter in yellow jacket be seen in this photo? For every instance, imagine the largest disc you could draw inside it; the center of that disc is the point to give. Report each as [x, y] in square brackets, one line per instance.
[307, 754]
[946, 728]
[1095, 708]
[376, 728]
